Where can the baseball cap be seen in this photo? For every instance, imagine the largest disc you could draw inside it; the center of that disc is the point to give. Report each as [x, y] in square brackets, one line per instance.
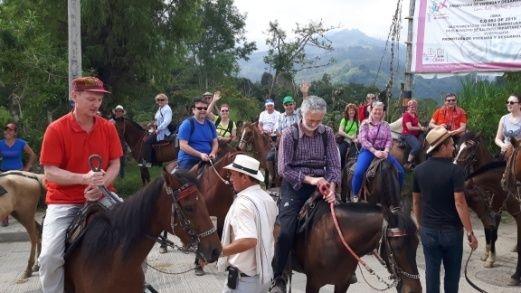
[288, 100]
[269, 102]
[89, 84]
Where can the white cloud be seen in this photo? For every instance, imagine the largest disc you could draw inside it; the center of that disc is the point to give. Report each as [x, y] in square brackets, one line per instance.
[372, 17]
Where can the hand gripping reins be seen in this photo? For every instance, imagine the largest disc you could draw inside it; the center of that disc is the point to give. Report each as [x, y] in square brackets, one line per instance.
[358, 259]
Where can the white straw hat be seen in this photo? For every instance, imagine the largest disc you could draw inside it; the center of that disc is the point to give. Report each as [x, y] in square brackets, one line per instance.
[246, 165]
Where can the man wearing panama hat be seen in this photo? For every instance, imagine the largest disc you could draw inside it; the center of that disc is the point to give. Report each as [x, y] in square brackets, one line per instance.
[247, 240]
[441, 211]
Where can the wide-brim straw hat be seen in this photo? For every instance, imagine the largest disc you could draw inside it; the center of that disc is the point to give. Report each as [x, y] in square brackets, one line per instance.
[435, 137]
[246, 165]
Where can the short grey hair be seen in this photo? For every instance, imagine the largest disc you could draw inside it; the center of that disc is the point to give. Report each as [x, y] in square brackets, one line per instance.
[315, 104]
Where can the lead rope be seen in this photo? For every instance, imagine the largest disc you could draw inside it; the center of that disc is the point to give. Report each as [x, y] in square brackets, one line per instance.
[217, 173]
[467, 277]
[358, 259]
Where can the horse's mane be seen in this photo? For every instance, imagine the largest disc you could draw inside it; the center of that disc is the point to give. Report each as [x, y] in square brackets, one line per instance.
[135, 124]
[469, 135]
[489, 166]
[123, 225]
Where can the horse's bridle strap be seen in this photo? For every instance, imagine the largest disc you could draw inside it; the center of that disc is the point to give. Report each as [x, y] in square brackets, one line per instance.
[396, 232]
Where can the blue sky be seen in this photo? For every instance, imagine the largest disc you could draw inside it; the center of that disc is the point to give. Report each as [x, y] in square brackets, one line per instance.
[373, 17]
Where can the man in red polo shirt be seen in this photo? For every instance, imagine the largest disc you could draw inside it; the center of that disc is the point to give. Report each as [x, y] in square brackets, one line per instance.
[67, 144]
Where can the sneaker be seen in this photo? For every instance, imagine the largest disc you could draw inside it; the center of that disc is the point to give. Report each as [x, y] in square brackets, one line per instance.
[199, 271]
[354, 198]
[148, 165]
[278, 285]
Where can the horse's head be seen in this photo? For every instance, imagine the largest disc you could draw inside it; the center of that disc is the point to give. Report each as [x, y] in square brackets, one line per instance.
[247, 132]
[191, 215]
[384, 187]
[467, 154]
[398, 249]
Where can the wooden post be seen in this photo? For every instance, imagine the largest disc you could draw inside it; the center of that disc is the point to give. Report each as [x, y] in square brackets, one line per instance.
[74, 23]
[408, 56]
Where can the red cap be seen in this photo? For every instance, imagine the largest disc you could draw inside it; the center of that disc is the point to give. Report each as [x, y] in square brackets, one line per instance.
[88, 84]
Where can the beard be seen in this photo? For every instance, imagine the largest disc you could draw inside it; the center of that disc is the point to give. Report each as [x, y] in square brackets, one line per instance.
[308, 128]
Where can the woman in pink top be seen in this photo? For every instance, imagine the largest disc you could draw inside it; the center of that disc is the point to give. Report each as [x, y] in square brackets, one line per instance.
[412, 131]
[375, 137]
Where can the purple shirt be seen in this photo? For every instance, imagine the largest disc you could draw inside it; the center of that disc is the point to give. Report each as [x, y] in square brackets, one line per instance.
[310, 157]
[375, 134]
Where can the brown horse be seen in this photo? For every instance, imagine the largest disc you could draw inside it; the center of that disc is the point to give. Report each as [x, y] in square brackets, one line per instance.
[134, 135]
[320, 255]
[116, 243]
[261, 144]
[19, 195]
[483, 185]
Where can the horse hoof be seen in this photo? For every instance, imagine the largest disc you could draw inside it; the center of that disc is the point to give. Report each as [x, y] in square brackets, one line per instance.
[484, 256]
[36, 268]
[489, 264]
[21, 280]
[514, 282]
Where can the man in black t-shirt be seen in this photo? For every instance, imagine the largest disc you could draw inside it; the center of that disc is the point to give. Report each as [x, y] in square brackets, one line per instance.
[441, 210]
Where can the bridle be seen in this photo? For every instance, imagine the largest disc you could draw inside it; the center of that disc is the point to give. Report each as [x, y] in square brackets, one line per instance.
[469, 161]
[245, 141]
[184, 192]
[394, 232]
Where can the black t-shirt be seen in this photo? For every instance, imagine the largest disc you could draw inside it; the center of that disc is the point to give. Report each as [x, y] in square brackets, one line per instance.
[436, 180]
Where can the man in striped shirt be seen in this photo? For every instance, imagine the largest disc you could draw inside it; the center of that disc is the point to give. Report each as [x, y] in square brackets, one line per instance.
[308, 159]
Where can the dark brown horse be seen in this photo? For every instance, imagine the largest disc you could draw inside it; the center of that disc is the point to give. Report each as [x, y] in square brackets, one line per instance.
[321, 256]
[134, 135]
[19, 195]
[260, 144]
[483, 186]
[116, 242]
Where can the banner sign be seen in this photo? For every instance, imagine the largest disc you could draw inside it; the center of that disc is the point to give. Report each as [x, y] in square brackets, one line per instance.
[452, 36]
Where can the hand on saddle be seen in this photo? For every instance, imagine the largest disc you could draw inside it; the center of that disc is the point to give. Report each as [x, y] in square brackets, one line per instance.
[381, 154]
[94, 178]
[92, 193]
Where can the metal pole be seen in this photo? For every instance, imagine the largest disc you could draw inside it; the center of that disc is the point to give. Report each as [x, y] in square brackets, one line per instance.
[408, 56]
[74, 22]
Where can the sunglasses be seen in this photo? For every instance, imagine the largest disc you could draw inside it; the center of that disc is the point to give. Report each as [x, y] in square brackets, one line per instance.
[450, 100]
[511, 102]
[160, 100]
[202, 108]
[225, 110]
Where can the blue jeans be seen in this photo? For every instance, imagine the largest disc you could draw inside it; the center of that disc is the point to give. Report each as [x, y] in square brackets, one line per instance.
[362, 163]
[187, 164]
[442, 245]
[415, 143]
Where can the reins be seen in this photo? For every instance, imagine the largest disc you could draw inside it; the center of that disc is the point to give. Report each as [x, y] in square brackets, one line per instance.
[357, 258]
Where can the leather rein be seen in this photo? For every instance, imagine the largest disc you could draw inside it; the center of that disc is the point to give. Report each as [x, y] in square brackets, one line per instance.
[393, 267]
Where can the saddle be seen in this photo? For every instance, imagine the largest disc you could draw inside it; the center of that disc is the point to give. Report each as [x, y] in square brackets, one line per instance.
[308, 212]
[166, 150]
[370, 174]
[78, 227]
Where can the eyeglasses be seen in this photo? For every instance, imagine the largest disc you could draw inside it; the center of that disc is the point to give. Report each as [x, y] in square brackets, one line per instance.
[160, 100]
[202, 108]
[511, 103]
[450, 100]
[226, 110]
[7, 129]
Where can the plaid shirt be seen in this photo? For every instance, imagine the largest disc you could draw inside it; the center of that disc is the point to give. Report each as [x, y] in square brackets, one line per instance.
[310, 158]
[286, 120]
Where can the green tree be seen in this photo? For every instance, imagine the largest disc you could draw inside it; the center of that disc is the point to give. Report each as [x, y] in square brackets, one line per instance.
[287, 57]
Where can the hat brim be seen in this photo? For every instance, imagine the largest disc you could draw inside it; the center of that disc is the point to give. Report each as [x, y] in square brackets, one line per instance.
[440, 141]
[114, 111]
[257, 176]
[98, 91]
